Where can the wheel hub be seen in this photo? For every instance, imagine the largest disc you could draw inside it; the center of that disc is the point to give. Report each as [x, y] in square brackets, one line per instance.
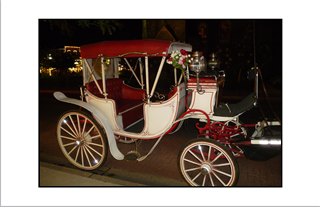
[206, 168]
[80, 141]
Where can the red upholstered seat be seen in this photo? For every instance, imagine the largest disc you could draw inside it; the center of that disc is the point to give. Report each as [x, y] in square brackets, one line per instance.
[202, 80]
[206, 83]
[124, 96]
[113, 88]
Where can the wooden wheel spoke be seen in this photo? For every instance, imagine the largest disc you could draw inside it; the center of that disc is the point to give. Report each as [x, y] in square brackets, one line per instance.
[223, 173]
[70, 138]
[92, 154]
[191, 162]
[94, 150]
[74, 132]
[209, 154]
[89, 131]
[75, 159]
[72, 149]
[82, 161]
[200, 148]
[71, 143]
[68, 132]
[95, 144]
[192, 169]
[94, 137]
[212, 183]
[79, 128]
[222, 164]
[84, 125]
[215, 159]
[196, 176]
[219, 179]
[195, 156]
[204, 180]
[85, 152]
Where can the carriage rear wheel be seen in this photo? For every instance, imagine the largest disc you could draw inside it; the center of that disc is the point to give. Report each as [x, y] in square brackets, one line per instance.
[205, 162]
[82, 140]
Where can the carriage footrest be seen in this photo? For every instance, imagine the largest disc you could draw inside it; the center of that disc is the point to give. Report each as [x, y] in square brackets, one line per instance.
[132, 155]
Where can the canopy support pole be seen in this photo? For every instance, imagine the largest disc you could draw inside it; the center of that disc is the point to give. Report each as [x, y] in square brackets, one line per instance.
[103, 78]
[147, 78]
[158, 76]
[94, 78]
[141, 73]
[133, 71]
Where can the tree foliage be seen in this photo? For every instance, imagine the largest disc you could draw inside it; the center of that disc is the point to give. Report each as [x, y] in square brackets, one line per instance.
[68, 26]
[104, 25]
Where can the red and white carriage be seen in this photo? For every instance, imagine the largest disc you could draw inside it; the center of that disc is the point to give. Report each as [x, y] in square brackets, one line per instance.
[113, 108]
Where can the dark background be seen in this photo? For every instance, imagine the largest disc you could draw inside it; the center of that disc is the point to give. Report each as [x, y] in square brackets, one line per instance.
[238, 46]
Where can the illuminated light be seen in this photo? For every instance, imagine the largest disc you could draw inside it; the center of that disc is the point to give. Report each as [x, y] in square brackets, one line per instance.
[275, 142]
[96, 161]
[263, 142]
[50, 70]
[266, 142]
[65, 121]
[77, 142]
[199, 147]
[259, 142]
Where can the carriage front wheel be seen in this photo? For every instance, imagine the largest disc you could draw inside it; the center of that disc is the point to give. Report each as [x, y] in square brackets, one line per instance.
[82, 140]
[205, 162]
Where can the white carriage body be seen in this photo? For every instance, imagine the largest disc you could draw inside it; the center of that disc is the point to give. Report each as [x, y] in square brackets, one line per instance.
[157, 116]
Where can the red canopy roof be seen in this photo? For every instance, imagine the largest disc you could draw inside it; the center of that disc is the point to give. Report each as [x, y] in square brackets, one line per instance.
[132, 48]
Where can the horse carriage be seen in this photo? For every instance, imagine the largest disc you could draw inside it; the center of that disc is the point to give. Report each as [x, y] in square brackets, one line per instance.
[109, 108]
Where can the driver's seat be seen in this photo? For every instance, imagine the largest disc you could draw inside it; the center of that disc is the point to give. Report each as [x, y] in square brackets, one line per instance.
[230, 110]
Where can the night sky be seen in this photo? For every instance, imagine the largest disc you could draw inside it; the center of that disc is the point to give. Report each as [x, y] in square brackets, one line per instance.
[52, 39]
[132, 29]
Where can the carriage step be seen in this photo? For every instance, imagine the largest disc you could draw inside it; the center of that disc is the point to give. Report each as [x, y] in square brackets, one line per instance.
[132, 155]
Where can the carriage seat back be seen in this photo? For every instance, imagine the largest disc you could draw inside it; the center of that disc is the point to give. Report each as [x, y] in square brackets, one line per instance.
[113, 88]
[126, 98]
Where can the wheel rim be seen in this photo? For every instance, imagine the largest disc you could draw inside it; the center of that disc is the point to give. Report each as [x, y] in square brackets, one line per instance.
[205, 163]
[81, 140]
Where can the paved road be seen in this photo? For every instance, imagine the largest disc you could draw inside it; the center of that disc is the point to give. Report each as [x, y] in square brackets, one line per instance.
[162, 163]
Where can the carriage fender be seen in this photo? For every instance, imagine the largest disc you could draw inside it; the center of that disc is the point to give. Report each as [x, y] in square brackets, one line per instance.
[110, 136]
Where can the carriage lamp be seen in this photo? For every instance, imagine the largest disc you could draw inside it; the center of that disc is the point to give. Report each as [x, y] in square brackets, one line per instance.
[213, 62]
[198, 64]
